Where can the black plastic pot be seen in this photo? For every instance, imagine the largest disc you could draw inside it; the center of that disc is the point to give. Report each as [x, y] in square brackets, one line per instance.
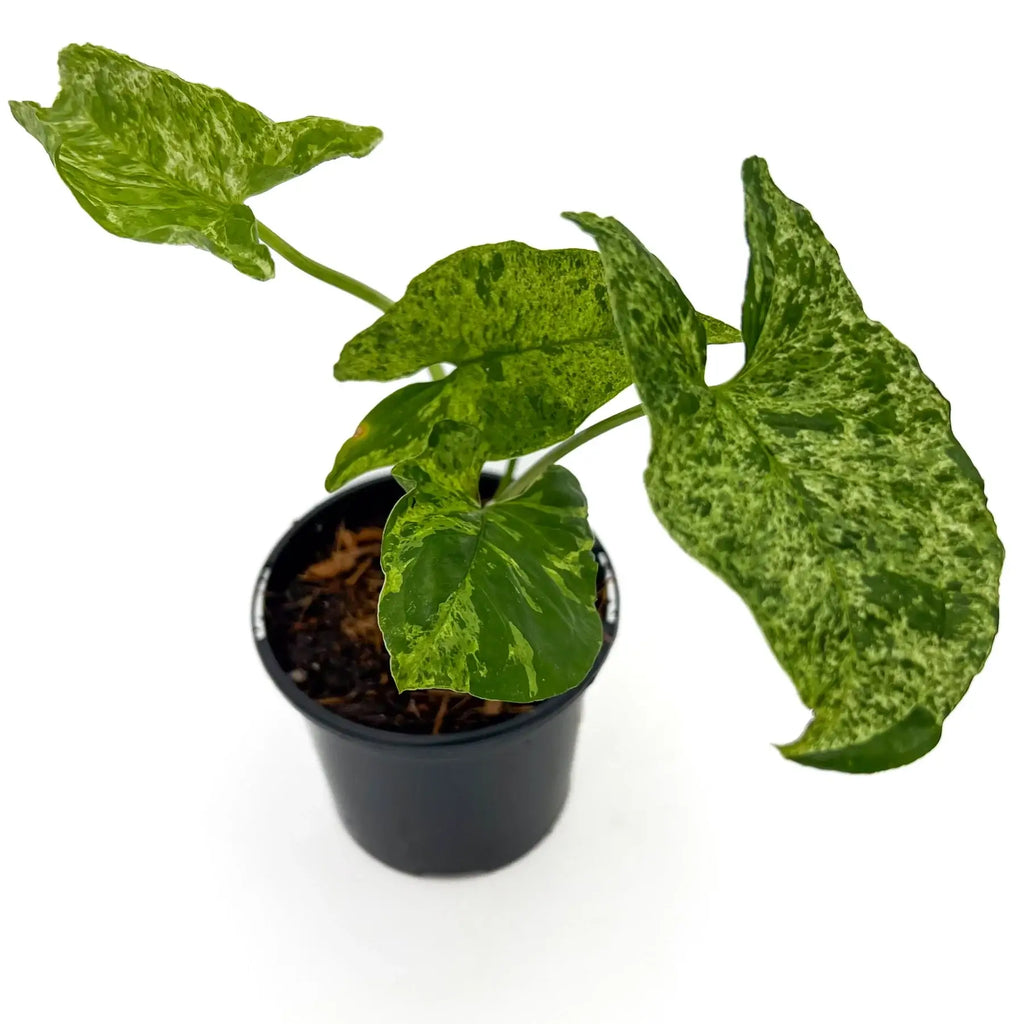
[448, 804]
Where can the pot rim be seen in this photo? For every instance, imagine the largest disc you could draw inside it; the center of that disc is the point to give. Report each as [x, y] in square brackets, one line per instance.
[315, 712]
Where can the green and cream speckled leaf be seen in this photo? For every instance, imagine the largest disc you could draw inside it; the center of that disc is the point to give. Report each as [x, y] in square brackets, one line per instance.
[496, 600]
[823, 483]
[155, 158]
[533, 341]
[395, 429]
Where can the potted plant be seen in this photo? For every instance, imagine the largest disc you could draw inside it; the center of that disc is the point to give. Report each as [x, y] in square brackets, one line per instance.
[437, 628]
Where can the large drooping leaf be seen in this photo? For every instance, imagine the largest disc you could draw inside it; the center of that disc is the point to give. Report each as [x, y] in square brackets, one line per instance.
[823, 483]
[495, 600]
[533, 341]
[152, 157]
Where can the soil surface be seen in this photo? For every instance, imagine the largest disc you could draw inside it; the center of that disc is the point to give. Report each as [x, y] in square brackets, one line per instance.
[325, 622]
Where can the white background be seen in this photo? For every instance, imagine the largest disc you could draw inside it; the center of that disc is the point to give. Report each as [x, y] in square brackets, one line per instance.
[171, 853]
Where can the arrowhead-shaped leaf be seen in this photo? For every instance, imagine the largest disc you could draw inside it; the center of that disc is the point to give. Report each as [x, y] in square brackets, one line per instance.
[823, 483]
[496, 600]
[533, 341]
[152, 157]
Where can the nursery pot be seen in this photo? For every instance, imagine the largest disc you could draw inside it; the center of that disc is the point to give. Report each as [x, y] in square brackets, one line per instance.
[447, 804]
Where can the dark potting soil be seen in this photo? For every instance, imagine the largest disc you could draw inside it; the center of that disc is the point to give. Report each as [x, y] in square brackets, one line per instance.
[325, 625]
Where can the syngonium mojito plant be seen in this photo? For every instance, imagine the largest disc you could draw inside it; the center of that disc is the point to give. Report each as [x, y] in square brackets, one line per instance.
[822, 482]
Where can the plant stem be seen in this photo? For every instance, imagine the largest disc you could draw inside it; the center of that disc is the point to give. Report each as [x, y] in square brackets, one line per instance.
[322, 273]
[549, 458]
[334, 277]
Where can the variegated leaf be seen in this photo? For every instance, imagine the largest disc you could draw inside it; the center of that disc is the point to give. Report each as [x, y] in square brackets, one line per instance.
[152, 157]
[496, 600]
[395, 429]
[533, 341]
[823, 483]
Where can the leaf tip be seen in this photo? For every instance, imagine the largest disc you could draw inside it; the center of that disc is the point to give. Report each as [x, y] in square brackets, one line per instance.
[753, 167]
[374, 137]
[260, 269]
[604, 230]
[905, 741]
[347, 365]
[23, 111]
[584, 219]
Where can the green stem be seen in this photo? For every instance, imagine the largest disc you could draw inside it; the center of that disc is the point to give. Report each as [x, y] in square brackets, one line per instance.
[334, 277]
[549, 458]
[322, 273]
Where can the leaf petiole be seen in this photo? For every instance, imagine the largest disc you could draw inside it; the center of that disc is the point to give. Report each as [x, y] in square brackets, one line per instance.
[334, 277]
[549, 458]
[321, 272]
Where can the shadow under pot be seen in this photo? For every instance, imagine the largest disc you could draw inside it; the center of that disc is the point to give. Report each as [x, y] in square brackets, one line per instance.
[468, 798]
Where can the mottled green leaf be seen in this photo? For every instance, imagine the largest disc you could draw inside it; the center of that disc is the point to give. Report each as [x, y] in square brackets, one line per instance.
[396, 428]
[823, 483]
[533, 341]
[529, 331]
[496, 600]
[152, 157]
